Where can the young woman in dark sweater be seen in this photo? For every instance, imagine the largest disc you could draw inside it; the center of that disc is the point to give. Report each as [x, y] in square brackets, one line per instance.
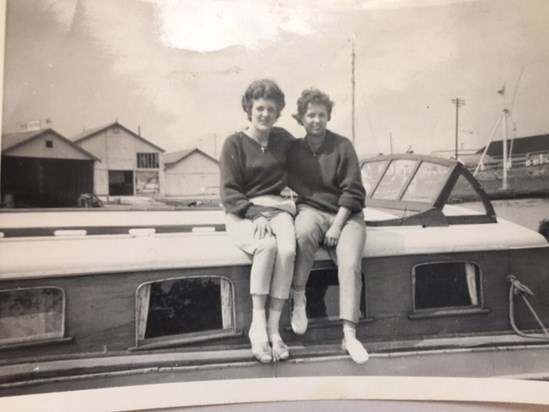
[324, 172]
[258, 220]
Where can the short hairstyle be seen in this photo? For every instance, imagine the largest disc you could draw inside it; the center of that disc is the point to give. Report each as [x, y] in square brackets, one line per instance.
[266, 89]
[312, 95]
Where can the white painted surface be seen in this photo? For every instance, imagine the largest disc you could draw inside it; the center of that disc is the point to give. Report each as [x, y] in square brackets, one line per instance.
[48, 256]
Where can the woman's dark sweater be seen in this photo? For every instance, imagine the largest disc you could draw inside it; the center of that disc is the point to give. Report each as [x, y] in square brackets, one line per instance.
[248, 170]
[328, 178]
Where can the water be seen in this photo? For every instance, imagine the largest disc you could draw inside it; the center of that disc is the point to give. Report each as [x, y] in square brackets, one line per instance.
[525, 212]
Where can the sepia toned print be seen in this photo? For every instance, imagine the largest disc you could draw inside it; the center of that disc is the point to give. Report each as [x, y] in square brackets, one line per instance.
[118, 268]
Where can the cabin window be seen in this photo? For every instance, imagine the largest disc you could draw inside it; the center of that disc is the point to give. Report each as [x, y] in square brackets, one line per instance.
[187, 309]
[446, 286]
[323, 296]
[31, 314]
[49, 144]
[147, 161]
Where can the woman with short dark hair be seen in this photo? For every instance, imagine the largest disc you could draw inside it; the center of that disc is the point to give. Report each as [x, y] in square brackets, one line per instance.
[258, 219]
[324, 172]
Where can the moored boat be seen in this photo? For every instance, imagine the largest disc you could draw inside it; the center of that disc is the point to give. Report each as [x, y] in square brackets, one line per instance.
[108, 298]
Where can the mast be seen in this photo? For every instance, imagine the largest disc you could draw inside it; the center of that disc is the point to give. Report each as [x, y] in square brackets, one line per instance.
[353, 91]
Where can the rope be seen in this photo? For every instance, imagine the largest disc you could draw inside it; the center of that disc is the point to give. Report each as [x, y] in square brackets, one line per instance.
[518, 288]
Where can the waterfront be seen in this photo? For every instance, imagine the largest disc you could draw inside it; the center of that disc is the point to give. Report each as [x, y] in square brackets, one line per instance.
[527, 212]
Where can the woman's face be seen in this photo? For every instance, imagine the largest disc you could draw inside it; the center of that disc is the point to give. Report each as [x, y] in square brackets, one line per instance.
[315, 119]
[264, 114]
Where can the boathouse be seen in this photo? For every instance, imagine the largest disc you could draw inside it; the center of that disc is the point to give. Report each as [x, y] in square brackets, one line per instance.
[130, 165]
[191, 173]
[42, 168]
[521, 149]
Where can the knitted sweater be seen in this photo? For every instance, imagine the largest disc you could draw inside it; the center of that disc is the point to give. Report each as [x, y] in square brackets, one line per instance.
[249, 170]
[328, 178]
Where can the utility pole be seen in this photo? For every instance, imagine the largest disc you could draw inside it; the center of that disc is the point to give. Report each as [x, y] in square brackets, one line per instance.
[458, 102]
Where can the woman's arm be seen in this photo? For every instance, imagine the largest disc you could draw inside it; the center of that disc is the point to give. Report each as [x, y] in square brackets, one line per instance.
[232, 183]
[350, 179]
[353, 192]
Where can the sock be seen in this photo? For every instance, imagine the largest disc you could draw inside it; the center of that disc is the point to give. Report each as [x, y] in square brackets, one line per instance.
[298, 297]
[349, 331]
[258, 328]
[273, 325]
[358, 353]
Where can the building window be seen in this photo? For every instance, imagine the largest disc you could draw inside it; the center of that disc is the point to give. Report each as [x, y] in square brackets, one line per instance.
[446, 287]
[49, 144]
[323, 296]
[31, 314]
[147, 161]
[184, 310]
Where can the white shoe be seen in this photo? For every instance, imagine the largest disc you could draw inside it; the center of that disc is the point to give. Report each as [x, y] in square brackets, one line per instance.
[358, 353]
[299, 318]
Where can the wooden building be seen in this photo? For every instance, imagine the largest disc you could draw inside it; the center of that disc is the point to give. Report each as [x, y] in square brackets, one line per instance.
[42, 168]
[191, 173]
[130, 165]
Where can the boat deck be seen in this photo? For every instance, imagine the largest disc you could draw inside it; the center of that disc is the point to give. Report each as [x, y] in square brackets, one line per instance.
[503, 356]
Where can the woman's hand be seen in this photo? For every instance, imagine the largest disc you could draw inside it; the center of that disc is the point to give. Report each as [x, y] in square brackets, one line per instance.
[262, 228]
[332, 236]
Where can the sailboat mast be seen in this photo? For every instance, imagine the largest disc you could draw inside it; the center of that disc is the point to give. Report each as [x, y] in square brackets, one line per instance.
[353, 92]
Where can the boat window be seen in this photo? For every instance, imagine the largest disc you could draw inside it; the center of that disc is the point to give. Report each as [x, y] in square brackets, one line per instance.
[392, 182]
[427, 183]
[323, 296]
[446, 285]
[370, 173]
[184, 307]
[31, 314]
[464, 200]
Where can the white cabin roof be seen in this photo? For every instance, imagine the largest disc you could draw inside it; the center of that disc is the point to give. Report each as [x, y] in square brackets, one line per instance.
[74, 253]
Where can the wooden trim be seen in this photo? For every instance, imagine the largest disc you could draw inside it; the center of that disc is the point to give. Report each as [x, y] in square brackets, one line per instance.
[37, 342]
[454, 311]
[177, 340]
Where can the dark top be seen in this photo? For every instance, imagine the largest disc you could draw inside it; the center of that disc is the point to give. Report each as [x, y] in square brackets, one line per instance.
[249, 170]
[328, 178]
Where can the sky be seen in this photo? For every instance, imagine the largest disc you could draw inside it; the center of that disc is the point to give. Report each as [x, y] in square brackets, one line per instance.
[176, 69]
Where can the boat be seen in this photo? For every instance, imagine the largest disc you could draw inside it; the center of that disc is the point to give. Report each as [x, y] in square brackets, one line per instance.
[95, 298]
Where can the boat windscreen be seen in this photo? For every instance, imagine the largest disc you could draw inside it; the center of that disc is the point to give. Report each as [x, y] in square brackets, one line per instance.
[407, 180]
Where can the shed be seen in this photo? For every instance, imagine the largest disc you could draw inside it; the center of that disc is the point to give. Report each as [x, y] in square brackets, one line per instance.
[521, 146]
[130, 165]
[42, 168]
[191, 173]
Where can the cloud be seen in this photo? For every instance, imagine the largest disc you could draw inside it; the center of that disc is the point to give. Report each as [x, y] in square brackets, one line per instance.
[212, 25]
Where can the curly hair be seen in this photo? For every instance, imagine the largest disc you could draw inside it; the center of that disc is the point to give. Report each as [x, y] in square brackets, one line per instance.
[312, 95]
[266, 89]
